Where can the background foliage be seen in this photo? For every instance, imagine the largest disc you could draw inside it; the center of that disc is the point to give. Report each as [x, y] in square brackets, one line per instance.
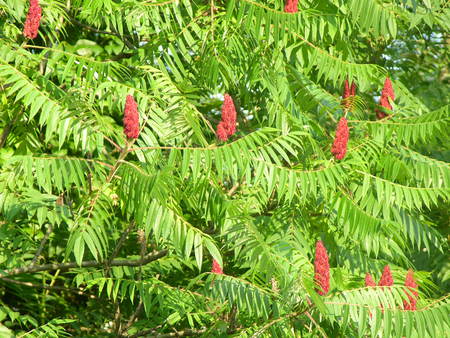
[97, 240]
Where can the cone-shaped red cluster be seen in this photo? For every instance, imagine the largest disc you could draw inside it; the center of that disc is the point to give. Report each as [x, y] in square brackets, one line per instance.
[227, 126]
[222, 133]
[339, 147]
[412, 292]
[321, 269]
[369, 280]
[348, 92]
[353, 89]
[386, 94]
[291, 6]
[388, 91]
[131, 118]
[386, 277]
[31, 27]
[216, 268]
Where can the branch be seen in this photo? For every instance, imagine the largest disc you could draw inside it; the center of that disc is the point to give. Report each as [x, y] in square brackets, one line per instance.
[132, 318]
[86, 264]
[48, 287]
[315, 323]
[233, 189]
[99, 31]
[42, 245]
[183, 333]
[279, 319]
[119, 245]
[8, 127]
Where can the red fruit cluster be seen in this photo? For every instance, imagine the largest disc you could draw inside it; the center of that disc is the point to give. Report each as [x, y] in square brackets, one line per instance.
[386, 277]
[291, 6]
[31, 27]
[321, 269]
[348, 92]
[369, 280]
[388, 91]
[339, 147]
[131, 118]
[222, 132]
[412, 293]
[387, 280]
[216, 268]
[227, 126]
[386, 94]
[353, 89]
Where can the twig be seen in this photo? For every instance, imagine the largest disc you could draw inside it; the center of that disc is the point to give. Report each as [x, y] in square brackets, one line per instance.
[86, 264]
[48, 287]
[117, 319]
[289, 315]
[315, 323]
[132, 318]
[119, 246]
[95, 30]
[113, 143]
[41, 246]
[143, 242]
[8, 128]
[233, 189]
[184, 333]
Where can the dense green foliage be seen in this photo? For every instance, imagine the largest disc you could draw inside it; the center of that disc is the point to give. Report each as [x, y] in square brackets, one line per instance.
[104, 236]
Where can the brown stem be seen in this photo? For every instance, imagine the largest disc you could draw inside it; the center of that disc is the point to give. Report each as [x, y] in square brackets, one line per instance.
[8, 128]
[183, 333]
[117, 319]
[95, 30]
[315, 323]
[233, 189]
[276, 320]
[119, 246]
[132, 318]
[47, 287]
[86, 264]
[42, 245]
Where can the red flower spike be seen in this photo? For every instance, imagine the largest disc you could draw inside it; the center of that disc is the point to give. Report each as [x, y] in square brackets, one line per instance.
[384, 102]
[221, 132]
[291, 6]
[131, 118]
[369, 280]
[216, 268]
[380, 114]
[229, 114]
[386, 94]
[31, 26]
[386, 277]
[347, 92]
[353, 89]
[412, 293]
[388, 91]
[321, 269]
[339, 147]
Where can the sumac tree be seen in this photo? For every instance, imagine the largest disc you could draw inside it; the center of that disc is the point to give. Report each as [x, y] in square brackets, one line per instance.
[170, 167]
